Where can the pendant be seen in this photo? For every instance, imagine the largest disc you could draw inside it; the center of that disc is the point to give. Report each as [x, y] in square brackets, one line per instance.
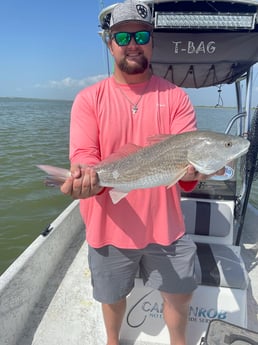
[134, 109]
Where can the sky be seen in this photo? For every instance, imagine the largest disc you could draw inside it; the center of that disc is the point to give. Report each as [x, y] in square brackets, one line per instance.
[51, 49]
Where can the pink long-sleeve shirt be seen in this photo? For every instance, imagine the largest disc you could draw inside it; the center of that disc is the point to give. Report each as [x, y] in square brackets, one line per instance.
[101, 123]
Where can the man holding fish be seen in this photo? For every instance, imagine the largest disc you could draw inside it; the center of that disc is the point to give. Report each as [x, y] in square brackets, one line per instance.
[145, 229]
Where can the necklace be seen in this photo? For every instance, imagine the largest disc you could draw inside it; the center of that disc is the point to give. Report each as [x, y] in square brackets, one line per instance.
[134, 108]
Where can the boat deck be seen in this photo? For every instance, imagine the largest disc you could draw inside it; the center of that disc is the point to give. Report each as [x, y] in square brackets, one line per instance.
[72, 316]
[68, 315]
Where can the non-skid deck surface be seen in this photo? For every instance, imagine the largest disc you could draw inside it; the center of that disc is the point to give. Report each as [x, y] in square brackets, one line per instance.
[72, 317]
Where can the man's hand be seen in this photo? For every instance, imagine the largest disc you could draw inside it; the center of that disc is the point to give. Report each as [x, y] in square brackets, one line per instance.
[193, 175]
[83, 182]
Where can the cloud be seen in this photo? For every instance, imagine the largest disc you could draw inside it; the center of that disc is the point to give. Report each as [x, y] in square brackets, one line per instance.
[70, 83]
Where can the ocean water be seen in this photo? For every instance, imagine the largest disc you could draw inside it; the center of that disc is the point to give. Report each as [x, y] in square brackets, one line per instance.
[31, 132]
[37, 132]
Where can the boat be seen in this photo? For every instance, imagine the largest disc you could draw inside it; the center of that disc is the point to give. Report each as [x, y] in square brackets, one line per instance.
[45, 295]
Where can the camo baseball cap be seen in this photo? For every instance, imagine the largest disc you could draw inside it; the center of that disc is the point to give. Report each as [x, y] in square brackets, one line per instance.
[131, 11]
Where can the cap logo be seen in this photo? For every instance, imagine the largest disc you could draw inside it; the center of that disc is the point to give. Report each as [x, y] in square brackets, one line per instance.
[142, 11]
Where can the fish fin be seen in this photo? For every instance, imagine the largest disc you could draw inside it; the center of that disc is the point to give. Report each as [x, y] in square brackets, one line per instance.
[117, 195]
[123, 152]
[158, 138]
[177, 177]
[56, 176]
[55, 171]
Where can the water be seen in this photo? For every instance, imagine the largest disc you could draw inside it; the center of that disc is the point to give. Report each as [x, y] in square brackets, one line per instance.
[37, 132]
[31, 132]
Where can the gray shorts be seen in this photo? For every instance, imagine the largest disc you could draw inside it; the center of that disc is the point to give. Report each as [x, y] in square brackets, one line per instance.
[165, 268]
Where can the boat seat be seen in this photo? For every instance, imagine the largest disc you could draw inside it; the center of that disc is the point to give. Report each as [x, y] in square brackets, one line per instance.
[210, 221]
[220, 265]
[210, 224]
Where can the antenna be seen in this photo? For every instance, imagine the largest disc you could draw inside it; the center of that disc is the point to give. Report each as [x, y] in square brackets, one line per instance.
[106, 48]
[101, 4]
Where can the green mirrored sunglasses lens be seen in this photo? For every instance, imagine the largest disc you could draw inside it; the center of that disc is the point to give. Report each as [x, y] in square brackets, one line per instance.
[122, 38]
[142, 37]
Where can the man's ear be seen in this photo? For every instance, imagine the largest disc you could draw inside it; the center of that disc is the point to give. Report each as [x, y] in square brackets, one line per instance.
[105, 35]
[108, 42]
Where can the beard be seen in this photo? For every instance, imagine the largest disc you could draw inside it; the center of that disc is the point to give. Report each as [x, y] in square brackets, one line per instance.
[136, 68]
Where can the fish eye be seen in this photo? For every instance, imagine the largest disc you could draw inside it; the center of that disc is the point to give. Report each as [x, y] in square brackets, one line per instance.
[228, 144]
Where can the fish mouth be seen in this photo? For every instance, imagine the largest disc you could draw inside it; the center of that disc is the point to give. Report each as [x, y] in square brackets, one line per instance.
[244, 150]
[240, 153]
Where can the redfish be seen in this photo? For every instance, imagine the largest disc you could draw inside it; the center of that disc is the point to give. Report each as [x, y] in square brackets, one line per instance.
[162, 163]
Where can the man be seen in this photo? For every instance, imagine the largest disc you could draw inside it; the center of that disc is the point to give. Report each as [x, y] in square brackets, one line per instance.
[145, 230]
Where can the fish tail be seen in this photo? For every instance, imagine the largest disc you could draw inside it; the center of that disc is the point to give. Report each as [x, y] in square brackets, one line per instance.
[56, 176]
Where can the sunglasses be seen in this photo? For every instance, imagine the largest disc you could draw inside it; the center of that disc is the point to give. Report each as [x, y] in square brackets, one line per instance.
[124, 38]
